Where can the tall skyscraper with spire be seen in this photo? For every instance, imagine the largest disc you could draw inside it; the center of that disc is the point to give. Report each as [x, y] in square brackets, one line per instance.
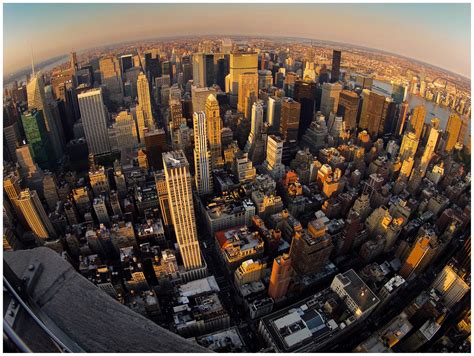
[202, 156]
[214, 124]
[178, 185]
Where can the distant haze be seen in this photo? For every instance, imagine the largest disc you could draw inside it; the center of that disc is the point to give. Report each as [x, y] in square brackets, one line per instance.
[438, 34]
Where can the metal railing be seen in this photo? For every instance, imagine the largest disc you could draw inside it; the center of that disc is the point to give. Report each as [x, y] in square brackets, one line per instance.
[18, 291]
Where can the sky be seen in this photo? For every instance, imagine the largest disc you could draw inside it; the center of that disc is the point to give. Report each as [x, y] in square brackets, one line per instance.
[438, 34]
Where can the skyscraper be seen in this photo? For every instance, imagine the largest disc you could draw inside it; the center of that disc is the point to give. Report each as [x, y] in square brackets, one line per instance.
[239, 63]
[94, 119]
[417, 120]
[310, 252]
[37, 100]
[35, 215]
[126, 62]
[111, 78]
[374, 112]
[274, 113]
[409, 145]
[248, 83]
[421, 254]
[349, 108]
[453, 130]
[256, 123]
[336, 66]
[402, 118]
[305, 94]
[429, 148]
[125, 136]
[199, 70]
[178, 184]
[209, 70]
[273, 159]
[144, 101]
[202, 156]
[155, 144]
[282, 271]
[213, 119]
[450, 285]
[38, 139]
[199, 97]
[265, 79]
[330, 98]
[290, 119]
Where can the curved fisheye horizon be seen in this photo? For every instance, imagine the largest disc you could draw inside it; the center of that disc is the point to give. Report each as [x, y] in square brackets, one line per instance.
[237, 178]
[392, 28]
[62, 57]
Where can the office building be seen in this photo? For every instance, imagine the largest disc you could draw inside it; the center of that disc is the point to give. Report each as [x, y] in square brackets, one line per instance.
[125, 137]
[126, 62]
[202, 155]
[94, 117]
[199, 70]
[274, 113]
[282, 272]
[38, 100]
[374, 112]
[420, 254]
[336, 66]
[305, 94]
[249, 271]
[256, 124]
[330, 98]
[178, 183]
[417, 120]
[310, 252]
[199, 97]
[144, 100]
[210, 77]
[451, 286]
[248, 84]
[35, 215]
[349, 108]
[112, 79]
[239, 63]
[214, 124]
[409, 145]
[290, 119]
[429, 148]
[155, 145]
[38, 139]
[272, 162]
[453, 131]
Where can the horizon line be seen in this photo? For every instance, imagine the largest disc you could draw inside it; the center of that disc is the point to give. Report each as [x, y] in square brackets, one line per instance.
[250, 36]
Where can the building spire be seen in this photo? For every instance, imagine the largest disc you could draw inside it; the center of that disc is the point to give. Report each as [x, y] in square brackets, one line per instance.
[32, 62]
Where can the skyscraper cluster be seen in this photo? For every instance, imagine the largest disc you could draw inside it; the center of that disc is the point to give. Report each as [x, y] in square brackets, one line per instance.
[224, 181]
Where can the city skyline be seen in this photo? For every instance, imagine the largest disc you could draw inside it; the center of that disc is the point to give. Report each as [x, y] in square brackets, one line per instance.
[237, 193]
[445, 44]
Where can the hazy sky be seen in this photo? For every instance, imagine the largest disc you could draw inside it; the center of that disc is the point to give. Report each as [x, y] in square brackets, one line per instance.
[434, 33]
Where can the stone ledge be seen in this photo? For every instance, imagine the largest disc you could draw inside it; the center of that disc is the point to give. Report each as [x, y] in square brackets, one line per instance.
[89, 316]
